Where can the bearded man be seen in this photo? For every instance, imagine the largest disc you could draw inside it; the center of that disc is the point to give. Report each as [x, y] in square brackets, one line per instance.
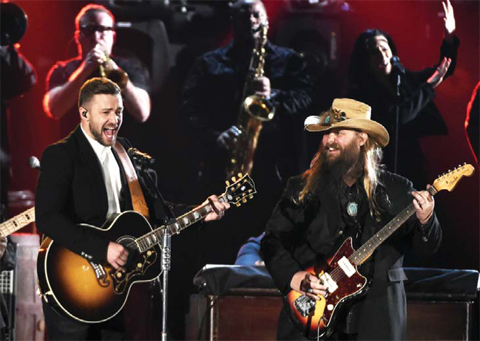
[346, 193]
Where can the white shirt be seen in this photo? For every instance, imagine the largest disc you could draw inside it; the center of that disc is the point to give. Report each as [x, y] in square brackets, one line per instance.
[111, 174]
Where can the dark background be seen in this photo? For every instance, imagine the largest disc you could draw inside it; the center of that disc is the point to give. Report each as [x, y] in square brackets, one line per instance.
[327, 34]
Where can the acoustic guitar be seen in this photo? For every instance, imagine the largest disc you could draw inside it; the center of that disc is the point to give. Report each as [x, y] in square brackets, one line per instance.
[340, 274]
[94, 293]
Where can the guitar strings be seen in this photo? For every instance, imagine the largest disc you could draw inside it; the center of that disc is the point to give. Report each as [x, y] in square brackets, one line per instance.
[142, 244]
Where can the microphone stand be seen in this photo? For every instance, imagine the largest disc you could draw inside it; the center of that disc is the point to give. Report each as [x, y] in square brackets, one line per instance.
[166, 259]
[397, 122]
[144, 161]
[399, 70]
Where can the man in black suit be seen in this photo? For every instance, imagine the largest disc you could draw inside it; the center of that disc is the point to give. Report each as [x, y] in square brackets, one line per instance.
[83, 181]
[346, 193]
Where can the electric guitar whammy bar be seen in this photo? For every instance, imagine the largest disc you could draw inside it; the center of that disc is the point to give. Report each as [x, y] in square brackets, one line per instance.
[340, 274]
[93, 293]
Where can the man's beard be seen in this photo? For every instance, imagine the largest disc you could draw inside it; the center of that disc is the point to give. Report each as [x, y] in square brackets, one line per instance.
[332, 172]
[99, 137]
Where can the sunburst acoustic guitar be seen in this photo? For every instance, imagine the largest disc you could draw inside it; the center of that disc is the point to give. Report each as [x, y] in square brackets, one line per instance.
[94, 293]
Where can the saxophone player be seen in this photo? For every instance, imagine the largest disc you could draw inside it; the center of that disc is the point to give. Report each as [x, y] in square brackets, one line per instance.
[214, 89]
[95, 37]
[213, 95]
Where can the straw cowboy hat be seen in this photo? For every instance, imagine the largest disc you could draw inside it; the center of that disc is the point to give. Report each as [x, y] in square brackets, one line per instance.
[348, 114]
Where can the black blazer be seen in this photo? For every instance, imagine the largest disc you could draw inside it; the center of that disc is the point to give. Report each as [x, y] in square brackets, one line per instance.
[71, 190]
[299, 234]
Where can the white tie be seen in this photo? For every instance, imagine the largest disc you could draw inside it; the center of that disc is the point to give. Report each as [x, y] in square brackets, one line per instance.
[112, 182]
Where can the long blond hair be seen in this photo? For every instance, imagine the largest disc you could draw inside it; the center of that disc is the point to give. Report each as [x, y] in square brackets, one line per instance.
[372, 156]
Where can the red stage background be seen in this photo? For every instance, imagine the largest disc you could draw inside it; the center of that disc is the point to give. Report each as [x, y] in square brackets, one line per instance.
[416, 27]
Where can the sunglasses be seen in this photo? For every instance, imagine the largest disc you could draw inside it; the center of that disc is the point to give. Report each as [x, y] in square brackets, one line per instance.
[91, 29]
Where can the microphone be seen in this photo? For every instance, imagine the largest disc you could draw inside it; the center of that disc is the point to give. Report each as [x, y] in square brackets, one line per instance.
[397, 65]
[140, 156]
[33, 162]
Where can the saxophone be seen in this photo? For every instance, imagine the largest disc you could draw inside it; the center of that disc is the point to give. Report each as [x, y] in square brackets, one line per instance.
[253, 112]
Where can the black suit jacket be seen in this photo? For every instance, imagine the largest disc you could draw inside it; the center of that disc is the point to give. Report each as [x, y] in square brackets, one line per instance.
[71, 190]
[298, 234]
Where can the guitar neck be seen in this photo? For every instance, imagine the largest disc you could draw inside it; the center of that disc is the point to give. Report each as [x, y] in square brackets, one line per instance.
[155, 237]
[367, 249]
[17, 222]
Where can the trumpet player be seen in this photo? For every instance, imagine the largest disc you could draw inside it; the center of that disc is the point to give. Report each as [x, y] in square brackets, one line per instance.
[94, 37]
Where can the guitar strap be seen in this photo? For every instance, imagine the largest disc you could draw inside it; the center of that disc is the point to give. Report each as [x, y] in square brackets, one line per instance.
[138, 200]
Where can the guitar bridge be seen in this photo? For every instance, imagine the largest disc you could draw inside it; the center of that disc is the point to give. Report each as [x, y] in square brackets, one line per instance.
[305, 305]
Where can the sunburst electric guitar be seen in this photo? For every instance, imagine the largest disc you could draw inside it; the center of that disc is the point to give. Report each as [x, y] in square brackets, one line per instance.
[340, 274]
[93, 293]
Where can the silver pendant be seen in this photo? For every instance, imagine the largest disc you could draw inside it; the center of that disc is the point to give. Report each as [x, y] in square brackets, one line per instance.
[352, 209]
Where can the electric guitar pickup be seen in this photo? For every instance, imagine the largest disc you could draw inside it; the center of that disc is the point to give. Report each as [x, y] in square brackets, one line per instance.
[340, 274]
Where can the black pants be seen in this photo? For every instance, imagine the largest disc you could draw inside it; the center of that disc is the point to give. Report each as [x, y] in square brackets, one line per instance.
[63, 328]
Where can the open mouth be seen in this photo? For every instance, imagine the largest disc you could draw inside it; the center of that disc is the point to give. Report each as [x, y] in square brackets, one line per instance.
[110, 133]
[332, 150]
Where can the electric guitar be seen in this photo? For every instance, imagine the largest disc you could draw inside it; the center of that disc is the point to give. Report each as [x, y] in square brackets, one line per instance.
[16, 223]
[340, 274]
[94, 293]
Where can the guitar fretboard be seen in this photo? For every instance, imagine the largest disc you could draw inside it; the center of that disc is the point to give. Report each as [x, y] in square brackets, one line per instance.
[362, 254]
[156, 236]
[17, 222]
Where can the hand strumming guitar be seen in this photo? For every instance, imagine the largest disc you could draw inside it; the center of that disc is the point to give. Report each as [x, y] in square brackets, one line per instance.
[117, 255]
[308, 284]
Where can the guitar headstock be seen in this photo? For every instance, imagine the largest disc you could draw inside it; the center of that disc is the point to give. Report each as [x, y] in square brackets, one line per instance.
[240, 189]
[449, 180]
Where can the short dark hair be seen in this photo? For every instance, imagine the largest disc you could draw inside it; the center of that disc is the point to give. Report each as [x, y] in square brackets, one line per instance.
[90, 10]
[237, 5]
[96, 86]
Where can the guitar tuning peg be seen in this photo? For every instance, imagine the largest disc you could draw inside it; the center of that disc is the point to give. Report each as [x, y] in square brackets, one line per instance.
[240, 175]
[227, 182]
[244, 200]
[238, 204]
[250, 196]
[234, 179]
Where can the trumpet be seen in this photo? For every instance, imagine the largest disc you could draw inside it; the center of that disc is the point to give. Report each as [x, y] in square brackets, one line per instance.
[117, 76]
